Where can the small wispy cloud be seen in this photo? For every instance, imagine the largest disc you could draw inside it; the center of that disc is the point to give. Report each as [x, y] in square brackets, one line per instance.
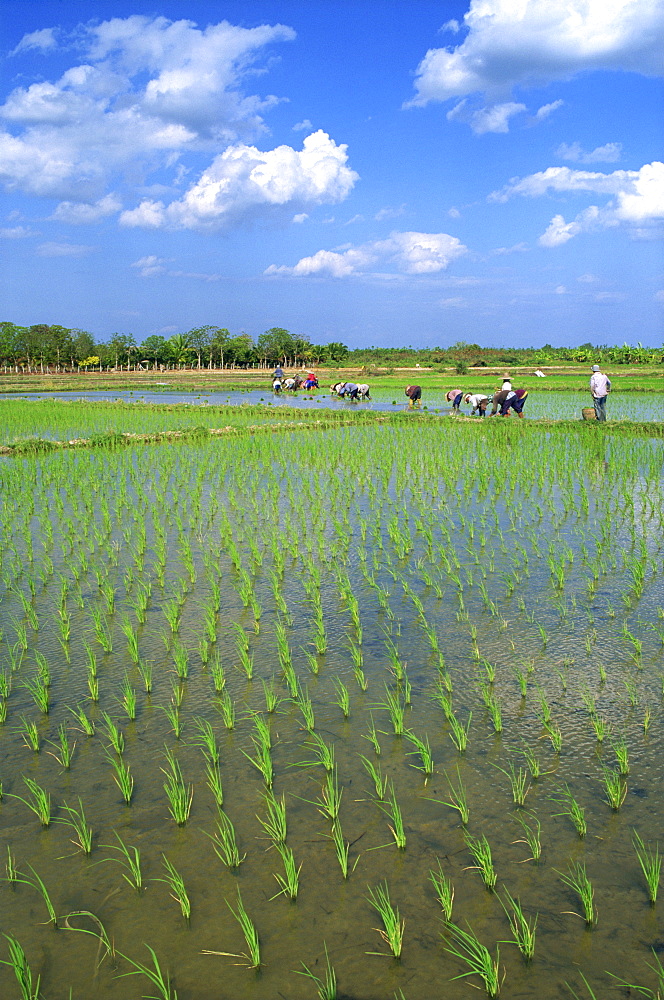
[63, 250]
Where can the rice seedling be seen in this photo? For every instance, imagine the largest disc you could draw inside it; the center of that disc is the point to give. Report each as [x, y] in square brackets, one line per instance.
[172, 713]
[114, 734]
[181, 660]
[253, 953]
[480, 849]
[27, 984]
[40, 694]
[303, 702]
[262, 760]
[43, 669]
[459, 733]
[272, 699]
[36, 882]
[457, 798]
[172, 612]
[218, 675]
[10, 866]
[323, 752]
[122, 776]
[615, 788]
[518, 782]
[531, 836]
[342, 848]
[466, 946]
[621, 751]
[326, 987]
[226, 707]
[601, 727]
[423, 749]
[647, 719]
[65, 748]
[290, 880]
[577, 879]
[372, 737]
[393, 927]
[444, 890]
[128, 858]
[87, 725]
[651, 865]
[39, 801]
[180, 796]
[177, 692]
[523, 929]
[159, 980]
[343, 696]
[274, 823]
[128, 699]
[175, 883]
[395, 708]
[214, 782]
[329, 801]
[554, 732]
[75, 819]
[391, 808]
[206, 739]
[376, 775]
[132, 639]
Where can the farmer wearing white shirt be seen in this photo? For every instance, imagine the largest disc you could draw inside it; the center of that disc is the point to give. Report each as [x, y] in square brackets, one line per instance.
[478, 401]
[600, 386]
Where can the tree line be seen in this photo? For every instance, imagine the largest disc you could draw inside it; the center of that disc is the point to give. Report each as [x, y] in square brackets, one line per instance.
[44, 347]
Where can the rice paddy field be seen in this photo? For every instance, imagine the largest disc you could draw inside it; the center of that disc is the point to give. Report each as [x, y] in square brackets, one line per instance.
[369, 711]
[60, 414]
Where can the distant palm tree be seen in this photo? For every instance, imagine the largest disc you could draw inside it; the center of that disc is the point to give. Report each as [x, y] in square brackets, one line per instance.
[179, 348]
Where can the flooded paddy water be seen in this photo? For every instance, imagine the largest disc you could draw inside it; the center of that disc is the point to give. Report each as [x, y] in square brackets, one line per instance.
[437, 649]
[549, 405]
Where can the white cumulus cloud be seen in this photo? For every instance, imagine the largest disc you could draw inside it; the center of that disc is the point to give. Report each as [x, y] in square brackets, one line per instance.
[408, 252]
[17, 233]
[147, 91]
[512, 42]
[243, 182]
[79, 213]
[636, 198]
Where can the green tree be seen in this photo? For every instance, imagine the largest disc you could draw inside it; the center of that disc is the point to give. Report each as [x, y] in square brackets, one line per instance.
[155, 348]
[180, 349]
[120, 346]
[240, 350]
[336, 352]
[11, 339]
[276, 344]
[220, 339]
[200, 340]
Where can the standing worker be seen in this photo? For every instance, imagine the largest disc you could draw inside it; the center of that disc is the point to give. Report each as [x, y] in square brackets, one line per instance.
[600, 387]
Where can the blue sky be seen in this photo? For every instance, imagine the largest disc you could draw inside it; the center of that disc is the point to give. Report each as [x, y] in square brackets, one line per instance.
[380, 173]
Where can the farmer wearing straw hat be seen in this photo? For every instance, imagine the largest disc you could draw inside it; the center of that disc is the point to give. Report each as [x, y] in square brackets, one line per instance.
[600, 387]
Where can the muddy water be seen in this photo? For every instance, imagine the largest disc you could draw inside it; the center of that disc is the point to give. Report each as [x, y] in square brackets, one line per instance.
[337, 504]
